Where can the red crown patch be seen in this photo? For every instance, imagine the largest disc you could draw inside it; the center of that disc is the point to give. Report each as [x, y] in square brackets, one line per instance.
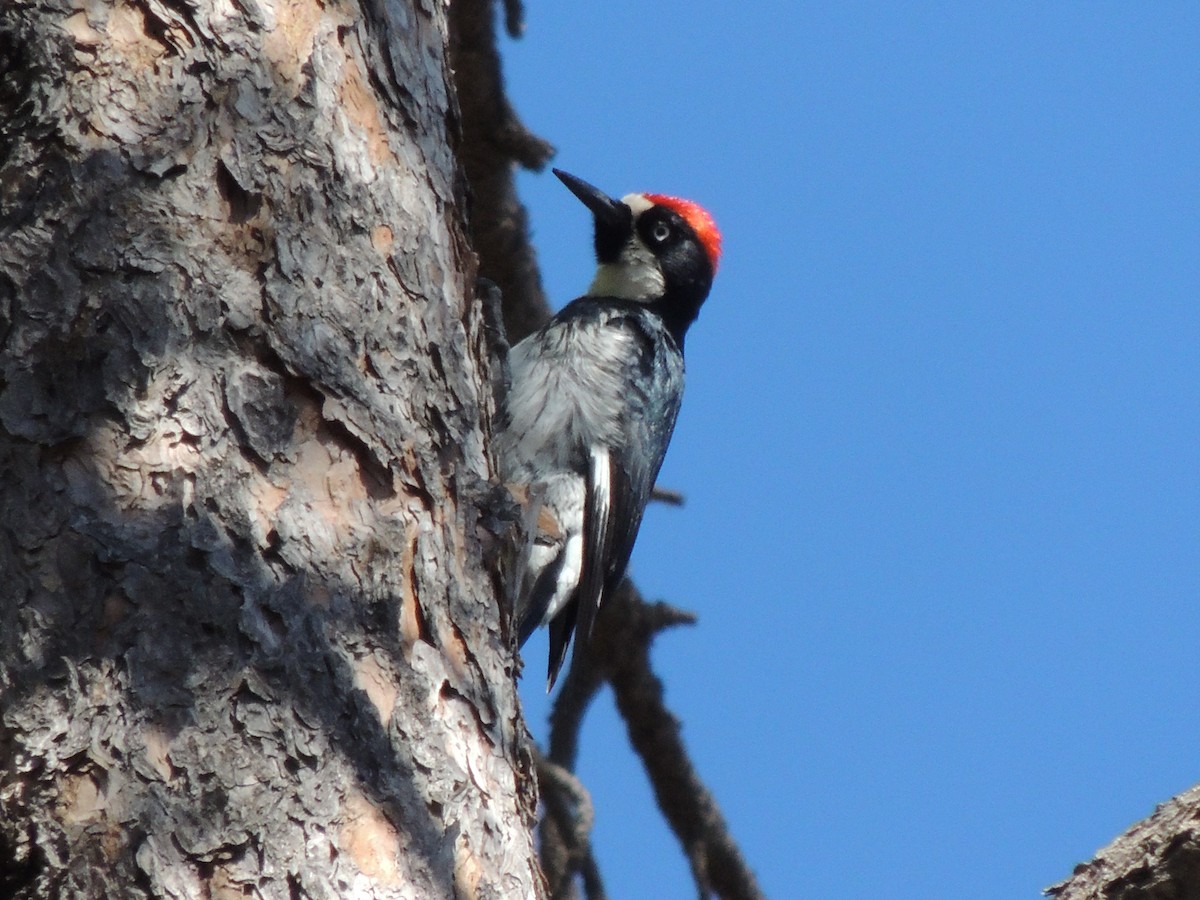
[698, 218]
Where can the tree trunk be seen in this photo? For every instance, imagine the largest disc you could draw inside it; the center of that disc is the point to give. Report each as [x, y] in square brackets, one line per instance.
[249, 643]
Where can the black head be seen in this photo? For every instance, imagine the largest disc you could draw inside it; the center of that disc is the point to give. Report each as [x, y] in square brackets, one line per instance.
[651, 248]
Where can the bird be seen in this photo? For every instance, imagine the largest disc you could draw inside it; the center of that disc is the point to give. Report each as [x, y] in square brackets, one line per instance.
[592, 403]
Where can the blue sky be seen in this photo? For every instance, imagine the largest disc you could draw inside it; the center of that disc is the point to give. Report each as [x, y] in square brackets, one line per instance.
[940, 439]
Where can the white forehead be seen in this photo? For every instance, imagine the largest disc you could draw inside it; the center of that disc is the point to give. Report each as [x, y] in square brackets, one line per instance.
[637, 202]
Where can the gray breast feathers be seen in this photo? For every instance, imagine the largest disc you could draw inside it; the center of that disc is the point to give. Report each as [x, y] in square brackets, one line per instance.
[602, 379]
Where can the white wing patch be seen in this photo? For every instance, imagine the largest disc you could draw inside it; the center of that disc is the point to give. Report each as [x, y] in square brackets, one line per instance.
[563, 499]
[597, 545]
[601, 500]
[568, 576]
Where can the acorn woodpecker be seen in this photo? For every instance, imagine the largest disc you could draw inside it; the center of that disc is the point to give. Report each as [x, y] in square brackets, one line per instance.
[592, 404]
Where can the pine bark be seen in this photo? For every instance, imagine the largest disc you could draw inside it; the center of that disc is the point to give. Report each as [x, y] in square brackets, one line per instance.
[249, 642]
[1156, 859]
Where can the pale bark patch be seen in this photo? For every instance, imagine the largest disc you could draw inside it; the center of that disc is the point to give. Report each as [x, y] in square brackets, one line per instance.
[127, 30]
[86, 805]
[140, 475]
[360, 105]
[410, 610]
[81, 799]
[370, 840]
[468, 872]
[226, 885]
[383, 239]
[289, 44]
[454, 650]
[378, 684]
[157, 752]
[84, 35]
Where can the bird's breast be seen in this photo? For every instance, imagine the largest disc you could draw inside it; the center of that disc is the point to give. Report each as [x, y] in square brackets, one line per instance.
[575, 383]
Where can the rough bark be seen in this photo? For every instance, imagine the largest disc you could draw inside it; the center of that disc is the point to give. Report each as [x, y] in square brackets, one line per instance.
[1156, 859]
[249, 645]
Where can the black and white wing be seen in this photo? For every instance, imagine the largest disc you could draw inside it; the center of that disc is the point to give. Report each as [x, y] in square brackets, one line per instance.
[594, 400]
[621, 476]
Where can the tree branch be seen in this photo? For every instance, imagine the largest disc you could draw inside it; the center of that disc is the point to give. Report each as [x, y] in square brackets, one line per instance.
[1156, 859]
[625, 632]
[566, 833]
[493, 140]
[667, 496]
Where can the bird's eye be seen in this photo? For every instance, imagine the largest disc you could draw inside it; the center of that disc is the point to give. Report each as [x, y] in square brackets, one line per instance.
[661, 232]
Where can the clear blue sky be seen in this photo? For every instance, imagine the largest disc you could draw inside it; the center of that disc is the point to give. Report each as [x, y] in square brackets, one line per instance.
[940, 440]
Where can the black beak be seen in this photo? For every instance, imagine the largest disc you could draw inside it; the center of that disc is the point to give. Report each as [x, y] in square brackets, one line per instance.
[614, 220]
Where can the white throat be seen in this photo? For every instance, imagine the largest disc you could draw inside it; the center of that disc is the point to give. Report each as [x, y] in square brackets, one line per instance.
[636, 275]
